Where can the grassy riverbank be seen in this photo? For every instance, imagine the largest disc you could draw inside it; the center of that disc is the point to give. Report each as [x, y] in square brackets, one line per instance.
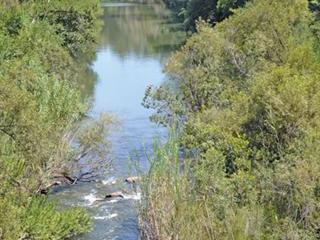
[40, 104]
[246, 102]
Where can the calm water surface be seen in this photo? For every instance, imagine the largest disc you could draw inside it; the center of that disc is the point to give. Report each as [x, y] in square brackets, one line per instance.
[136, 40]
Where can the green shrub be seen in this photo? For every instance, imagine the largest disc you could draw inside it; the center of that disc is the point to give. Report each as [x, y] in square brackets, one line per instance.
[249, 88]
[40, 103]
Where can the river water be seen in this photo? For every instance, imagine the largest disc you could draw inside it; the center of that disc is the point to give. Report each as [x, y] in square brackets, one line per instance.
[136, 41]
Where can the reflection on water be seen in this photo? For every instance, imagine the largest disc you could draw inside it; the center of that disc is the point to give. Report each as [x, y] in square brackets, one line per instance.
[86, 81]
[139, 30]
[135, 41]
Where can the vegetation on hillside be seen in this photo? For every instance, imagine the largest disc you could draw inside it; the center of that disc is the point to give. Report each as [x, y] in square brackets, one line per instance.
[212, 11]
[244, 96]
[41, 43]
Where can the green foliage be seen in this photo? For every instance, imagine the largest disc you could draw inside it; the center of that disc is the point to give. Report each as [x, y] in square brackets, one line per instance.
[40, 215]
[36, 218]
[39, 106]
[213, 11]
[249, 88]
[199, 9]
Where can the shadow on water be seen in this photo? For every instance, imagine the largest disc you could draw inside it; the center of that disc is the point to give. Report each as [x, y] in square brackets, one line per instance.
[136, 40]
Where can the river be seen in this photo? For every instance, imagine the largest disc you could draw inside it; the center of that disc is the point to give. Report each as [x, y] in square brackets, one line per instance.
[136, 40]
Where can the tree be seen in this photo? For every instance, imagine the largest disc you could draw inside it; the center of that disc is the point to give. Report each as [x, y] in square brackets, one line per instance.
[212, 11]
[249, 87]
[40, 105]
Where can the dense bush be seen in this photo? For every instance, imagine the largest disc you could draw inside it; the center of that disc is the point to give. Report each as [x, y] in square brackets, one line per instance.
[249, 88]
[213, 11]
[39, 106]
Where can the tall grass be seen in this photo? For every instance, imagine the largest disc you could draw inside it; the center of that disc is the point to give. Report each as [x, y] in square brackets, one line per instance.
[188, 200]
[173, 206]
[170, 208]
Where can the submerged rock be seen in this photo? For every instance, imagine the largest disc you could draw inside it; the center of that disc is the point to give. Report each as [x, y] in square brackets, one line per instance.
[114, 194]
[132, 179]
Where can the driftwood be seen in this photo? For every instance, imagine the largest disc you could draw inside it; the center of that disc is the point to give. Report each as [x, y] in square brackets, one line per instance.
[87, 161]
[65, 179]
[45, 190]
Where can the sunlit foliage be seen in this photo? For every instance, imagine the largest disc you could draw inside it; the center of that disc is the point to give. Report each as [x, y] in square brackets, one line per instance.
[39, 106]
[249, 90]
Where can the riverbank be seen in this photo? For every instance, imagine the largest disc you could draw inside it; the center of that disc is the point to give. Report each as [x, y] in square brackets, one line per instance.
[244, 163]
[41, 103]
[135, 42]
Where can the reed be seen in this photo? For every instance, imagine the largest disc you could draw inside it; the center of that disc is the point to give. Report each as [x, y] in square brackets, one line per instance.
[170, 208]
